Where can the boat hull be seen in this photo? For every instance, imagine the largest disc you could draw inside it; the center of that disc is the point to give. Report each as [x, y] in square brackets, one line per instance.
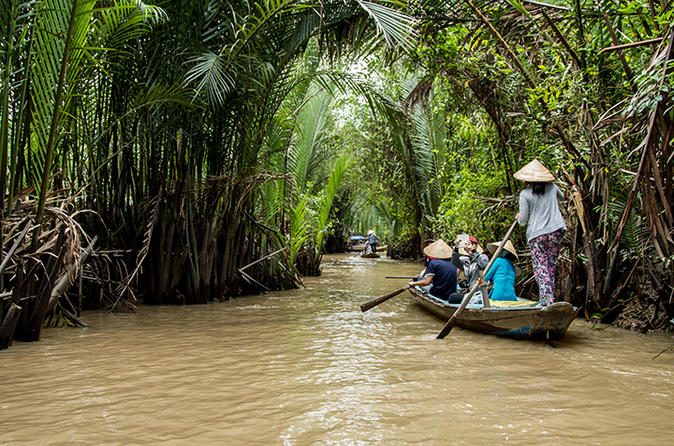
[361, 248]
[534, 323]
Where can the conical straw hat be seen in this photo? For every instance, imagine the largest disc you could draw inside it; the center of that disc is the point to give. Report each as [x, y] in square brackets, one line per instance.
[508, 247]
[438, 249]
[535, 172]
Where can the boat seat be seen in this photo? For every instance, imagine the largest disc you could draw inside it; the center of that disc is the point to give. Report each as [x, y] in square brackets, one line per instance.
[513, 303]
[444, 302]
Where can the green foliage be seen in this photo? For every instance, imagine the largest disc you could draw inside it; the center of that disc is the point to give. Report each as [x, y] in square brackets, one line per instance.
[299, 230]
[196, 103]
[60, 34]
[396, 27]
[307, 150]
[464, 209]
[328, 197]
[248, 136]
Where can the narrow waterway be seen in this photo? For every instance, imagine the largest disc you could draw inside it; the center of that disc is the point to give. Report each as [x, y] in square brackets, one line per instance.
[306, 367]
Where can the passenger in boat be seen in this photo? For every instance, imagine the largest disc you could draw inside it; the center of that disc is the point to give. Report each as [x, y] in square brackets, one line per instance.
[539, 212]
[461, 260]
[470, 260]
[372, 240]
[502, 273]
[440, 273]
[478, 260]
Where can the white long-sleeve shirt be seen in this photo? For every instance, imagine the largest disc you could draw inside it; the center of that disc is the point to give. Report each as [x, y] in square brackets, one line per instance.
[540, 213]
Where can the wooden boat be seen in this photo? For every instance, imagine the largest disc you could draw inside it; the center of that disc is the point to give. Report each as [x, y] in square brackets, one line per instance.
[520, 320]
[372, 255]
[359, 248]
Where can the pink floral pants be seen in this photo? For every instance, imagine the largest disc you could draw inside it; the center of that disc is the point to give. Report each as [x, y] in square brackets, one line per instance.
[544, 253]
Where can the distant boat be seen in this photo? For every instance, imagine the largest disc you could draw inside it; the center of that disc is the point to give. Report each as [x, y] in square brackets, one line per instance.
[372, 255]
[357, 248]
[520, 321]
[356, 243]
[361, 247]
[365, 252]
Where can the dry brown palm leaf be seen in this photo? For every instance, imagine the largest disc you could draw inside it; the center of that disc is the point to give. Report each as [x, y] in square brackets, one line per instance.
[125, 285]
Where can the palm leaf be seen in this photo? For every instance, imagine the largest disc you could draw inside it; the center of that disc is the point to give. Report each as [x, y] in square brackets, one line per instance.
[60, 31]
[214, 73]
[264, 12]
[328, 197]
[396, 27]
[15, 18]
[304, 153]
[427, 140]
[123, 22]
[299, 229]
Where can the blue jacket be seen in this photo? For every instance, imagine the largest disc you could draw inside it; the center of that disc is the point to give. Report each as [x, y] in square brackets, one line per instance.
[444, 278]
[502, 273]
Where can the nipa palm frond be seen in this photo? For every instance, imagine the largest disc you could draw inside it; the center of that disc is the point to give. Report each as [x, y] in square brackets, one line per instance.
[213, 73]
[124, 22]
[425, 140]
[60, 32]
[299, 229]
[311, 123]
[328, 197]
[396, 27]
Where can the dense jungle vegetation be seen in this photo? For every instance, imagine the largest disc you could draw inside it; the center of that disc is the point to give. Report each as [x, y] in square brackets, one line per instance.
[186, 151]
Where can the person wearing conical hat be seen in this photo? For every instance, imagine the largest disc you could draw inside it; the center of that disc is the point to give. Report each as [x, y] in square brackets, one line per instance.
[372, 241]
[502, 273]
[539, 212]
[440, 273]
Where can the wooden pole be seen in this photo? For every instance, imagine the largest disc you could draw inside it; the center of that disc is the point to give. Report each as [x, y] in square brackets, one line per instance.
[374, 302]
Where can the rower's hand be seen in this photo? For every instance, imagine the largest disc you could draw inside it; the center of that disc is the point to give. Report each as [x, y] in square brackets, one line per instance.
[517, 216]
[411, 283]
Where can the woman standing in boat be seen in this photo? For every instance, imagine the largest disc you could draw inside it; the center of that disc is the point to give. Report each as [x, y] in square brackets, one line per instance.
[539, 212]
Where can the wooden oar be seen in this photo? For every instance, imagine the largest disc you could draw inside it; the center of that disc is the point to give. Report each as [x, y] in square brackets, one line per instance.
[452, 320]
[401, 277]
[374, 302]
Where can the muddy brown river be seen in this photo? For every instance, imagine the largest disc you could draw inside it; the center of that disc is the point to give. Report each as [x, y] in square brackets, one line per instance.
[306, 367]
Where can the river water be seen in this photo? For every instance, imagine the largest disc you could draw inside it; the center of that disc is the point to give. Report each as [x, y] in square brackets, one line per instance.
[306, 367]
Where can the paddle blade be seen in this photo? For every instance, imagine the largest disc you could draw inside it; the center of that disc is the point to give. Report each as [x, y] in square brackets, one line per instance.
[374, 302]
[447, 328]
